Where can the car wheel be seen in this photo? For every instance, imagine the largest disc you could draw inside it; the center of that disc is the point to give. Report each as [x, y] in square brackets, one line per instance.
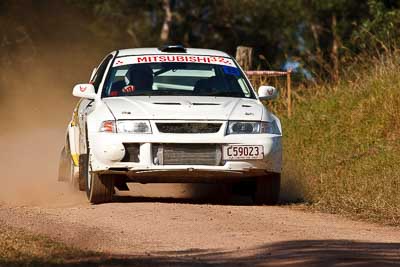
[83, 171]
[267, 189]
[99, 187]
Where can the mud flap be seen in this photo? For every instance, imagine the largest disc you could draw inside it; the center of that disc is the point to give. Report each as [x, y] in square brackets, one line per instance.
[64, 167]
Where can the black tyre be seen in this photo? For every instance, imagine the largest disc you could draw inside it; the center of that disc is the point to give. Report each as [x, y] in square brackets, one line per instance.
[99, 188]
[83, 171]
[267, 189]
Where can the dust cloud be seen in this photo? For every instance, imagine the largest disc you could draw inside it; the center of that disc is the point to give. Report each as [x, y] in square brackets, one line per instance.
[29, 169]
[34, 116]
[41, 58]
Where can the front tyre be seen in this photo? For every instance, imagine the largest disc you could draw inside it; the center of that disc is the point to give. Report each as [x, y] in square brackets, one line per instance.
[83, 171]
[267, 189]
[99, 187]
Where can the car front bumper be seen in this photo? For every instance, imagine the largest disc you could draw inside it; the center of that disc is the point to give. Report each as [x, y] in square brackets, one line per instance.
[107, 149]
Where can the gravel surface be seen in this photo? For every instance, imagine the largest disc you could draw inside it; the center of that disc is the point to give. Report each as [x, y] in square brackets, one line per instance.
[164, 231]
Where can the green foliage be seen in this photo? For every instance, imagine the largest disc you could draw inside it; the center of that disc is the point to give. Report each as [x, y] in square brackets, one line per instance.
[381, 30]
[303, 30]
[224, 25]
[118, 19]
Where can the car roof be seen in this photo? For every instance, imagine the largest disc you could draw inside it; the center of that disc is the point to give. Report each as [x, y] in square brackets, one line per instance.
[156, 51]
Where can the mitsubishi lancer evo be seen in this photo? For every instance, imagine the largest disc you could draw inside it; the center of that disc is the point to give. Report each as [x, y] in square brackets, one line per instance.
[172, 115]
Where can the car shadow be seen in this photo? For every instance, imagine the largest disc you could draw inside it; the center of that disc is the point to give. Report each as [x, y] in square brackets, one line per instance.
[296, 253]
[197, 193]
[182, 193]
[235, 200]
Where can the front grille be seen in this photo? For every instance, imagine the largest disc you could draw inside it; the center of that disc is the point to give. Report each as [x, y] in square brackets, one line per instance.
[188, 127]
[187, 154]
[131, 152]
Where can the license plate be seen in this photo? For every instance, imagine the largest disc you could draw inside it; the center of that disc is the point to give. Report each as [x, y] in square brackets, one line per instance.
[238, 152]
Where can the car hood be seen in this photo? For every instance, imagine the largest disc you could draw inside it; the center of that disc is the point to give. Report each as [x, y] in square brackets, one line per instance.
[184, 108]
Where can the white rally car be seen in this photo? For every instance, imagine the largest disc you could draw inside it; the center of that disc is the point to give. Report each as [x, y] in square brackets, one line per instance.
[172, 114]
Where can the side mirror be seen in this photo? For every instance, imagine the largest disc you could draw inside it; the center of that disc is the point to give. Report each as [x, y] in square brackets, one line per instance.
[84, 90]
[266, 92]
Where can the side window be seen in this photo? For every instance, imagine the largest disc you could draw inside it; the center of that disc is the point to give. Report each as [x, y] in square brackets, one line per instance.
[100, 72]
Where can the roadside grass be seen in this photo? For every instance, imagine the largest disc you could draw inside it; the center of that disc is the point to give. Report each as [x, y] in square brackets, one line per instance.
[18, 248]
[342, 145]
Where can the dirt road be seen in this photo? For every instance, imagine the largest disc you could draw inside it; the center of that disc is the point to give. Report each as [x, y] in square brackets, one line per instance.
[164, 225]
[164, 231]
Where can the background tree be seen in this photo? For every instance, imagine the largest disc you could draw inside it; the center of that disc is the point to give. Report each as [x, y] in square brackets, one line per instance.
[321, 36]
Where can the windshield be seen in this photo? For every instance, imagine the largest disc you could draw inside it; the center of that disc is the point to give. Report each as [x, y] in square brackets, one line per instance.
[177, 76]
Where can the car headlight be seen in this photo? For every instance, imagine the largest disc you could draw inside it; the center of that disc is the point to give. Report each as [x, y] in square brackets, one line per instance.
[252, 127]
[126, 126]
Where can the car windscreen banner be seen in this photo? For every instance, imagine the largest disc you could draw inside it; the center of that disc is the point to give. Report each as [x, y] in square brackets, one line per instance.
[173, 58]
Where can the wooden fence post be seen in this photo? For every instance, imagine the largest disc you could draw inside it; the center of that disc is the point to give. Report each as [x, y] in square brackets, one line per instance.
[289, 92]
[244, 56]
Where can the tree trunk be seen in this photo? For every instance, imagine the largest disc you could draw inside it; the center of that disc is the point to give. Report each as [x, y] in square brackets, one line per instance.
[165, 30]
[334, 52]
[315, 30]
[244, 56]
